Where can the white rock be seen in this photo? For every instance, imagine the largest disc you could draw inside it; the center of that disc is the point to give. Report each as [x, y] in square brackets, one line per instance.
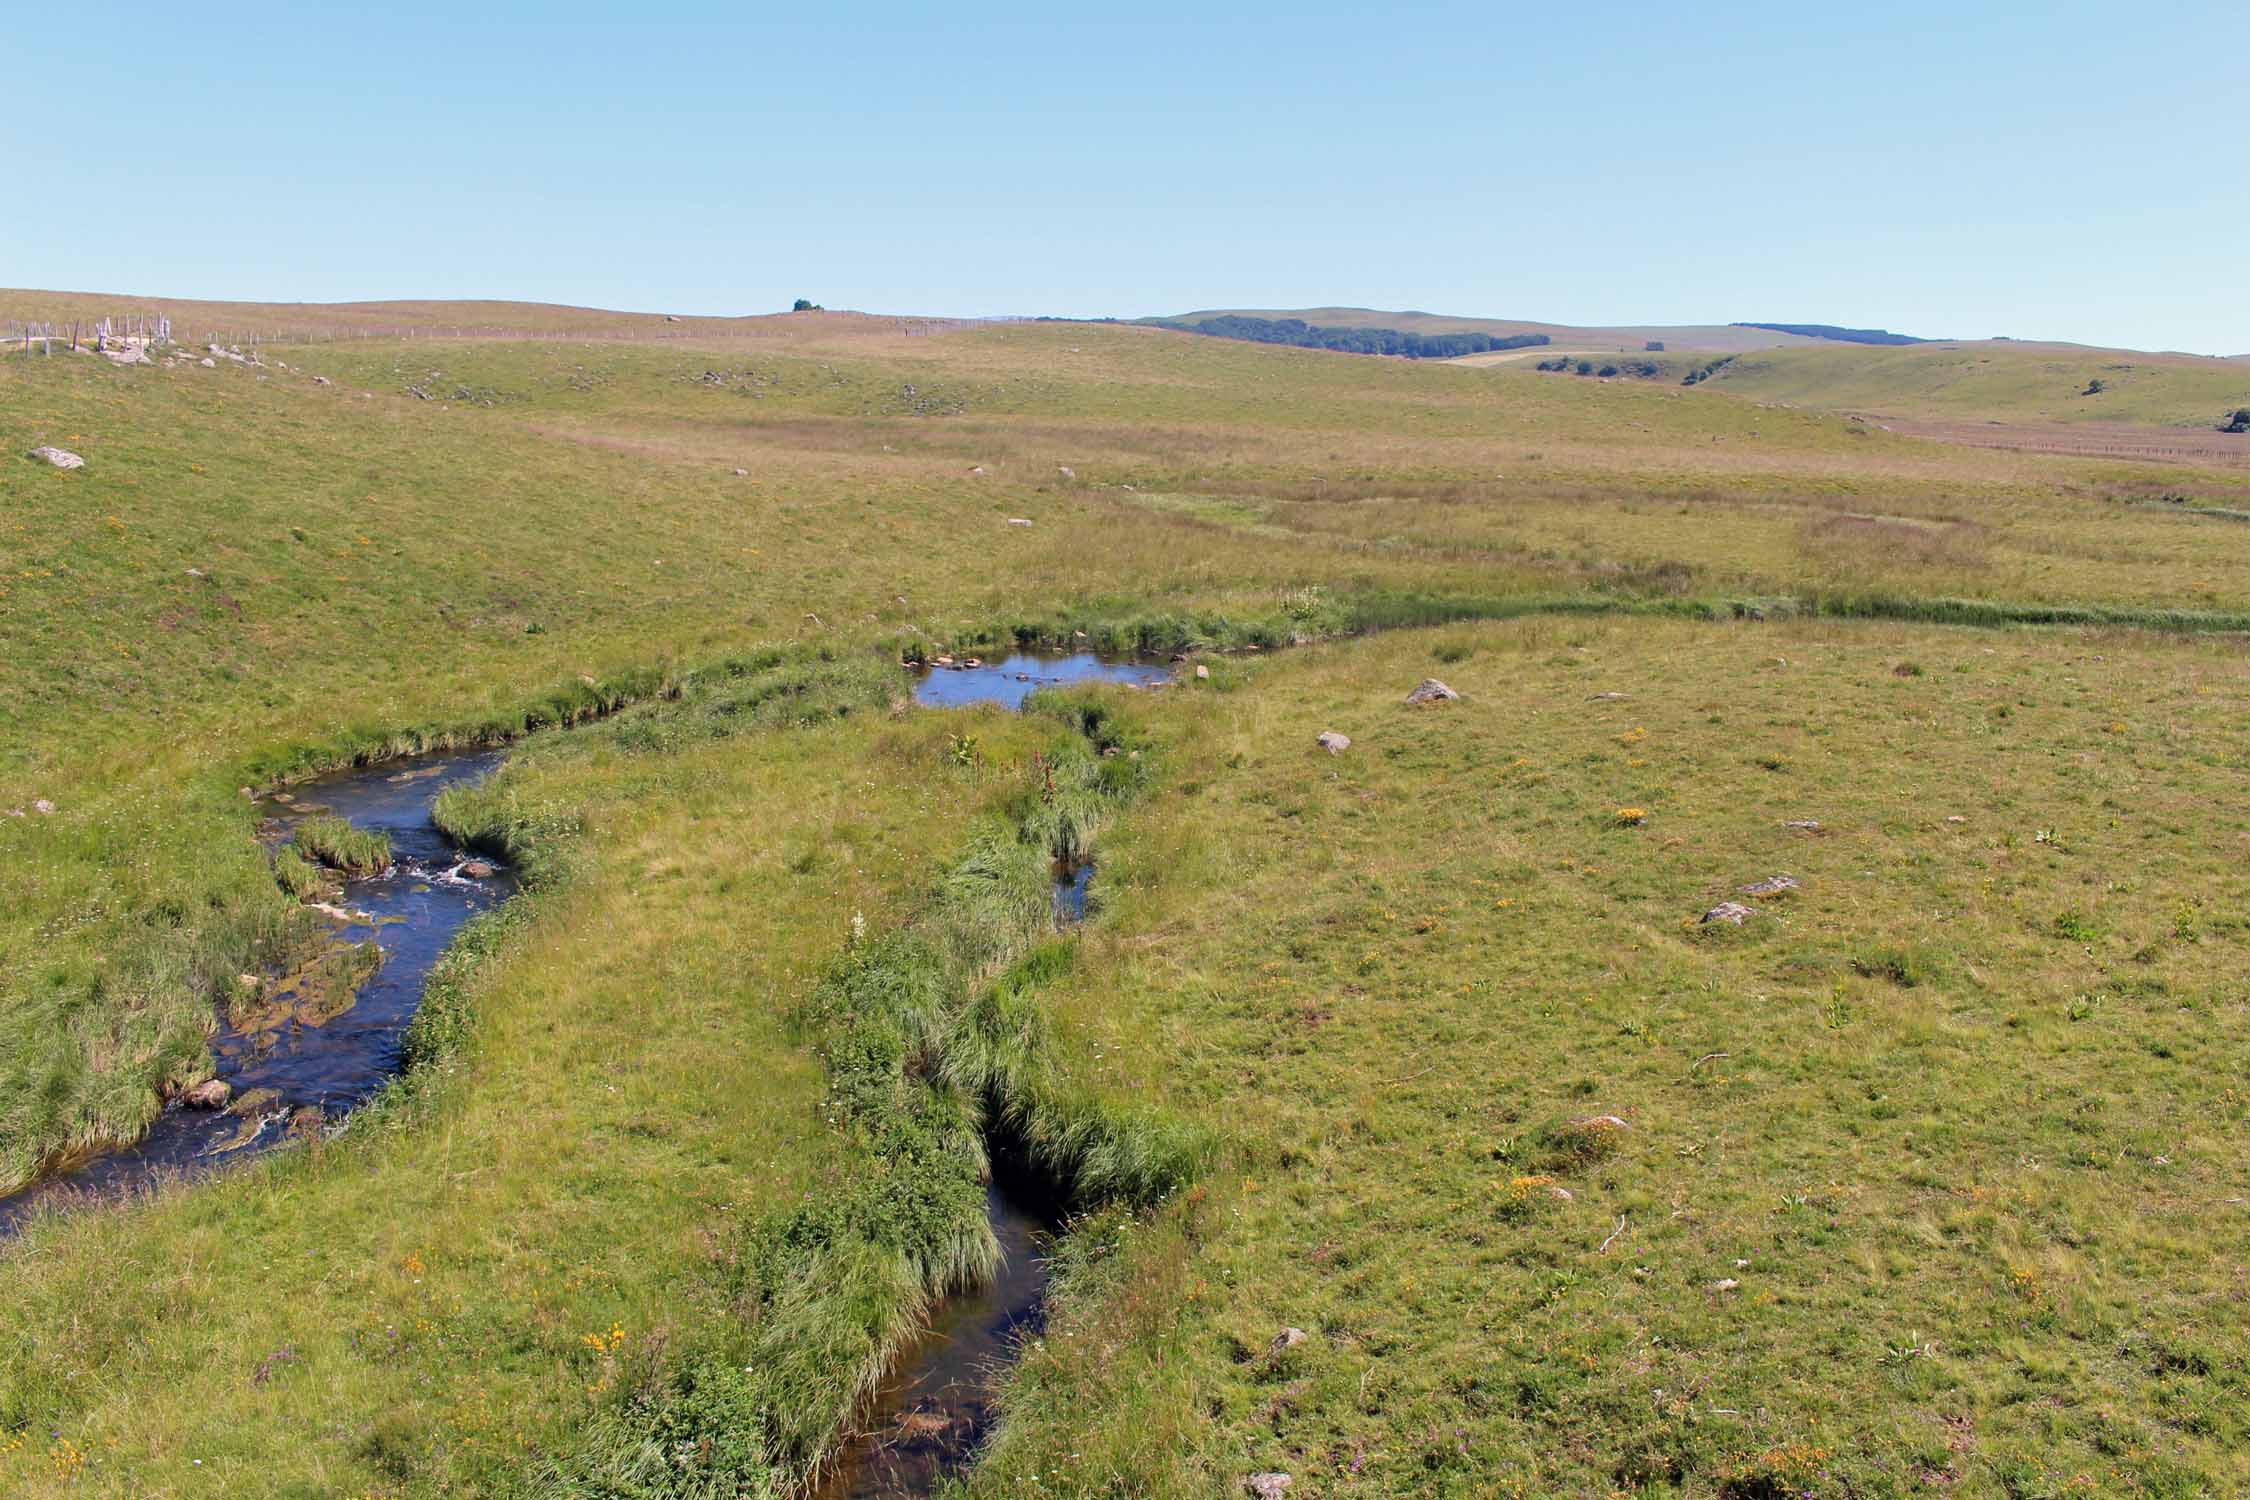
[60, 458]
[1017, 521]
[1332, 742]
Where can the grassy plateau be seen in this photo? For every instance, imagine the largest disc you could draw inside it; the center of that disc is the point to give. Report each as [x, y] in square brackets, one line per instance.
[1418, 1135]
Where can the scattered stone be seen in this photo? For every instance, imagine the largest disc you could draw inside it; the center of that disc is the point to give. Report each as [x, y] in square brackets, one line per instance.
[1601, 1122]
[42, 806]
[1772, 885]
[211, 1093]
[1267, 1486]
[253, 1101]
[1332, 742]
[1607, 698]
[61, 458]
[742, 473]
[1557, 1190]
[1729, 911]
[1956, 818]
[1725, 1284]
[1202, 673]
[479, 869]
[1430, 690]
[306, 1120]
[1803, 825]
[1066, 471]
[209, 363]
[1017, 521]
[978, 470]
[1288, 1338]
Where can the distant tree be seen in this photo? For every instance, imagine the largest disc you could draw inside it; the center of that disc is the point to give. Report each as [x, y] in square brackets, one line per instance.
[805, 304]
[2237, 420]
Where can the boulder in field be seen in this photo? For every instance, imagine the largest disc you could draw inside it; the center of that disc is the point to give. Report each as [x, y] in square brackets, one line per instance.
[1267, 1486]
[1332, 742]
[61, 458]
[1430, 690]
[1729, 911]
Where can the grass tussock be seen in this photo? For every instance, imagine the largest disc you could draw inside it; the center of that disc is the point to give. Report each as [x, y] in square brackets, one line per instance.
[332, 842]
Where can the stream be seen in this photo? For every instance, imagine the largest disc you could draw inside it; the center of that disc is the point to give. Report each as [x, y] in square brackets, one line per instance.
[304, 1052]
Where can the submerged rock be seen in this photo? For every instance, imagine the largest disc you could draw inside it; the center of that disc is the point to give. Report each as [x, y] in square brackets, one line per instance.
[1430, 690]
[211, 1093]
[479, 869]
[1332, 742]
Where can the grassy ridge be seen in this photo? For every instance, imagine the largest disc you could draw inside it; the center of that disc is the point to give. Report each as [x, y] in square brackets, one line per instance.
[1992, 382]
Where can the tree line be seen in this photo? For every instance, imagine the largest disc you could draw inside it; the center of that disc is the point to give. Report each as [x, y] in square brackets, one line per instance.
[1300, 334]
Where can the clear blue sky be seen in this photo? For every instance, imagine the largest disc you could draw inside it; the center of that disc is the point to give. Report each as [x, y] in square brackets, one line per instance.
[2069, 170]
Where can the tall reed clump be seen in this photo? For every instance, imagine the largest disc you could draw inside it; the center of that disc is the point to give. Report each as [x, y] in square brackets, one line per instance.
[932, 1040]
[335, 843]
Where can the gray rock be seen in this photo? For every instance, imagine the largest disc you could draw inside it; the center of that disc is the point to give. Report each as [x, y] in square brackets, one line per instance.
[61, 458]
[1803, 825]
[1288, 1338]
[1332, 742]
[478, 869]
[742, 473]
[1017, 521]
[1772, 885]
[1729, 911]
[322, 380]
[1202, 673]
[1430, 690]
[1267, 1486]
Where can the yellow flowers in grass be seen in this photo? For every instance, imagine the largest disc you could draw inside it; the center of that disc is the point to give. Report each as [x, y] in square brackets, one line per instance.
[1631, 817]
[603, 1343]
[1519, 1197]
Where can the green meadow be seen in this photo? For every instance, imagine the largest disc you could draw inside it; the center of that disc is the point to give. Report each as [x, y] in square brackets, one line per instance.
[1925, 1178]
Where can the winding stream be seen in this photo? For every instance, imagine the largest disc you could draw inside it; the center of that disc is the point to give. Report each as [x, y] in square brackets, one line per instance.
[302, 1062]
[298, 1050]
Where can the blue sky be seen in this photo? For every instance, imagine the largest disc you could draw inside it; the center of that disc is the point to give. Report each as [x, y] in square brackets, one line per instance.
[2067, 170]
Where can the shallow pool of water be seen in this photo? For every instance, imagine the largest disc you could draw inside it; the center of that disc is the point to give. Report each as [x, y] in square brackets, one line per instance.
[1015, 677]
[410, 912]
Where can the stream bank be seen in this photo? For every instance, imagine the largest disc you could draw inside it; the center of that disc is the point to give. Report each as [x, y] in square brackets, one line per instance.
[313, 1044]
